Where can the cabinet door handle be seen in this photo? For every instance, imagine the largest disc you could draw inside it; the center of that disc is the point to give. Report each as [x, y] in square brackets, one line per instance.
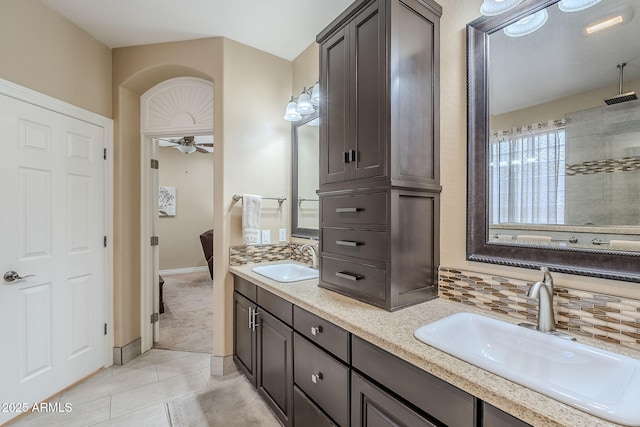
[316, 377]
[346, 157]
[349, 243]
[349, 276]
[352, 155]
[348, 210]
[315, 330]
[251, 318]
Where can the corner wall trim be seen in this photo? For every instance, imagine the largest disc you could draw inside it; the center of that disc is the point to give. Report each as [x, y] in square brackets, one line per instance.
[123, 355]
[222, 365]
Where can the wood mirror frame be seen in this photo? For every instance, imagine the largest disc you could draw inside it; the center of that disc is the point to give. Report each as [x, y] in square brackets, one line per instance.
[296, 230]
[587, 262]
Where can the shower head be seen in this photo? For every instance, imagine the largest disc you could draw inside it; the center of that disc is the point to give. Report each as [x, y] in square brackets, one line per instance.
[621, 97]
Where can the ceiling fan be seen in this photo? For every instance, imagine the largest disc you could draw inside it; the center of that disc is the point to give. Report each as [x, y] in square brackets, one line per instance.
[189, 144]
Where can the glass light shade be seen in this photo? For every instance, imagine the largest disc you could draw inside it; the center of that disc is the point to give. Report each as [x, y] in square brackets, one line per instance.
[315, 122]
[527, 25]
[576, 5]
[304, 104]
[496, 7]
[291, 114]
[186, 149]
[315, 94]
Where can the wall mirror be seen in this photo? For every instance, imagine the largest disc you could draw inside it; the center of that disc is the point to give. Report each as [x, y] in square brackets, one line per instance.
[554, 137]
[305, 175]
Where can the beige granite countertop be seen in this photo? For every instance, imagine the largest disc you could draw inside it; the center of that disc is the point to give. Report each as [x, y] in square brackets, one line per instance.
[393, 331]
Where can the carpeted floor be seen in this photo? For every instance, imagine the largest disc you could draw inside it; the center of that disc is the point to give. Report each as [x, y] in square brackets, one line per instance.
[233, 403]
[187, 321]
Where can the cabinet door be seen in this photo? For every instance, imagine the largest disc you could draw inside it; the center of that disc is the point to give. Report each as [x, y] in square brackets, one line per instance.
[368, 118]
[372, 407]
[334, 108]
[244, 338]
[275, 365]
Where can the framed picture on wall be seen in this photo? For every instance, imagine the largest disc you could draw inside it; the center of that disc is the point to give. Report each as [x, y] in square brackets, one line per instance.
[167, 201]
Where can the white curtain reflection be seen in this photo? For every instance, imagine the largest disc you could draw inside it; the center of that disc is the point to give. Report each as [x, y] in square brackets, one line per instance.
[527, 176]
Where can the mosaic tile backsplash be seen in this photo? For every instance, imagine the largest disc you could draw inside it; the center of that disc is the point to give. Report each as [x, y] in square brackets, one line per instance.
[239, 255]
[611, 319]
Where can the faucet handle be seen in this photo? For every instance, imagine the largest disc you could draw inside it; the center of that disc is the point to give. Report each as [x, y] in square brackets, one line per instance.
[548, 280]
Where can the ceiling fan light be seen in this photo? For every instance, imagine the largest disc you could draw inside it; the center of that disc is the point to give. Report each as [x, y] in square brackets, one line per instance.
[304, 104]
[315, 94]
[528, 24]
[291, 114]
[576, 5]
[496, 7]
[186, 149]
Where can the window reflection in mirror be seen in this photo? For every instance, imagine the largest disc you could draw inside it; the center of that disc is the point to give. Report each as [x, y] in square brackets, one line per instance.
[305, 175]
[564, 165]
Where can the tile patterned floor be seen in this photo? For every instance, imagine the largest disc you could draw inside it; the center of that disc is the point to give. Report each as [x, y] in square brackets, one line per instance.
[136, 394]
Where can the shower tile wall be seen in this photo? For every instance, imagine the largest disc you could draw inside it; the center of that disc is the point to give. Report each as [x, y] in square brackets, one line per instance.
[603, 165]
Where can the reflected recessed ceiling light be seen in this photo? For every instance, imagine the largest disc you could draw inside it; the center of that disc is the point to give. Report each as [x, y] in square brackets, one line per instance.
[528, 24]
[599, 26]
[576, 5]
[496, 7]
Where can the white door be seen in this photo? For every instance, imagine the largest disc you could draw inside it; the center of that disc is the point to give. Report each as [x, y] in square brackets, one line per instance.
[51, 227]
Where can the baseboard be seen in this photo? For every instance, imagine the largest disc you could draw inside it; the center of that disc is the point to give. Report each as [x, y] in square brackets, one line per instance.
[222, 365]
[123, 355]
[184, 270]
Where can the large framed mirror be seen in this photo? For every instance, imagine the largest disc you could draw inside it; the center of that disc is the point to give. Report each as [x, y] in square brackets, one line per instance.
[305, 176]
[554, 137]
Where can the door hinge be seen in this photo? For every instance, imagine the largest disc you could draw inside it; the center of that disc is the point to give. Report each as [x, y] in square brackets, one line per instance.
[105, 154]
[105, 329]
[155, 164]
[155, 240]
[105, 241]
[155, 317]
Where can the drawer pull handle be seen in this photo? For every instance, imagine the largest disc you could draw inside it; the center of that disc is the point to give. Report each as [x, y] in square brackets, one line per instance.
[315, 330]
[349, 276]
[349, 243]
[348, 210]
[316, 377]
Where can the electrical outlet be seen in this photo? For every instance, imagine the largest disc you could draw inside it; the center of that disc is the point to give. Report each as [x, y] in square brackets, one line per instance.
[282, 236]
[266, 237]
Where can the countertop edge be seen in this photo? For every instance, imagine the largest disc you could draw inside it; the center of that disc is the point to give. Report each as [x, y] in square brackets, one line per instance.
[519, 401]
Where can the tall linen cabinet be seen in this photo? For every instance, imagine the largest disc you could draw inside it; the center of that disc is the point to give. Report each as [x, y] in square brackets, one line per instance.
[379, 152]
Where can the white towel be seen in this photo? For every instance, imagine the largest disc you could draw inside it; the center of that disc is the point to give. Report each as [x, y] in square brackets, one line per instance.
[625, 245]
[251, 205]
[522, 238]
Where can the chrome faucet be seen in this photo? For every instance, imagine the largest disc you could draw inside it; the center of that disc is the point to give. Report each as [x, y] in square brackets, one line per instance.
[543, 292]
[314, 254]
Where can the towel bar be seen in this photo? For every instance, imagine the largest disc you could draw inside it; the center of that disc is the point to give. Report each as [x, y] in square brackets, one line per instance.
[280, 199]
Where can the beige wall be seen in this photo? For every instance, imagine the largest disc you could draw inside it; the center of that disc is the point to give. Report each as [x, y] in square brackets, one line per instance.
[306, 69]
[556, 109]
[192, 176]
[45, 52]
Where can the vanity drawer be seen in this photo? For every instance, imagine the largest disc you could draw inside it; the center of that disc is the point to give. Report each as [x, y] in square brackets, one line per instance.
[370, 245]
[275, 305]
[354, 277]
[447, 403]
[360, 209]
[245, 287]
[324, 379]
[323, 333]
[306, 413]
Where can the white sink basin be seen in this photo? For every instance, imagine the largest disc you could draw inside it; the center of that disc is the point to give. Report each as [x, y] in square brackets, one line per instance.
[286, 272]
[600, 382]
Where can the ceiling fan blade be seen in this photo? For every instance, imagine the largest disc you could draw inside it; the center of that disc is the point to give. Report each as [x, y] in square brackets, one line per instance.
[202, 150]
[204, 144]
[167, 142]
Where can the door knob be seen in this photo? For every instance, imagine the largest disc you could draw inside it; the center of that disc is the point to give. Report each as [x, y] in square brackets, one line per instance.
[12, 276]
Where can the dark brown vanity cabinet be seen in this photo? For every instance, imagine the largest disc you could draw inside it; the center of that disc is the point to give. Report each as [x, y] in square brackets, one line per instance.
[263, 346]
[379, 152]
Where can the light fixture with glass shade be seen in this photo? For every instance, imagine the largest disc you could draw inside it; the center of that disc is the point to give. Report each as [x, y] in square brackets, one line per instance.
[528, 24]
[307, 103]
[576, 5]
[496, 7]
[291, 114]
[304, 103]
[186, 149]
[315, 94]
